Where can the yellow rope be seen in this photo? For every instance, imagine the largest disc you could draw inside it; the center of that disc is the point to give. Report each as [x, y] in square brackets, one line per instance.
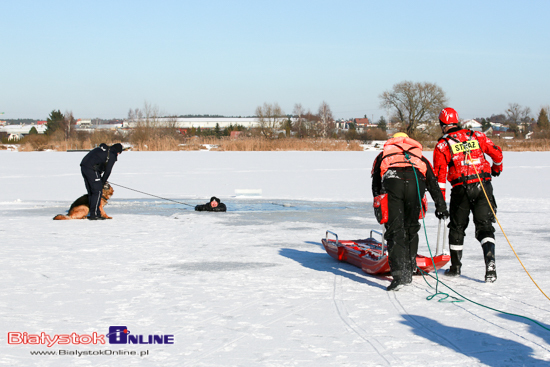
[504, 233]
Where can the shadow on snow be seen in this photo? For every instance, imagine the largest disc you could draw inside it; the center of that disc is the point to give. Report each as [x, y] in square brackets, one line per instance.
[323, 262]
[534, 329]
[484, 347]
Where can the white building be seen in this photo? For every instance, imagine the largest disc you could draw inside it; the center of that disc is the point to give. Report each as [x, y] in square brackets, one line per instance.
[22, 129]
[202, 122]
[472, 125]
[84, 123]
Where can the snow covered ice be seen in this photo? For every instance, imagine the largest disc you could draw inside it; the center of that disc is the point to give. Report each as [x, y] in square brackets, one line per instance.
[253, 286]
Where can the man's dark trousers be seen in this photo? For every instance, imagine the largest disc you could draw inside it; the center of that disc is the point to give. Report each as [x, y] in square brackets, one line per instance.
[92, 180]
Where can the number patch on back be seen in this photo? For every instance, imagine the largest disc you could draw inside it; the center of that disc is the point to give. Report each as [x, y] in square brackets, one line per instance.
[465, 146]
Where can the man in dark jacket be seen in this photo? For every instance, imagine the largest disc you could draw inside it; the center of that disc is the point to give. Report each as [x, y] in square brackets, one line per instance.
[213, 206]
[96, 168]
[404, 174]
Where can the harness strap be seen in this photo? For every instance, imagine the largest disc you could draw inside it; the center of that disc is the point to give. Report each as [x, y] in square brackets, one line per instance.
[405, 152]
[448, 137]
[463, 179]
[108, 154]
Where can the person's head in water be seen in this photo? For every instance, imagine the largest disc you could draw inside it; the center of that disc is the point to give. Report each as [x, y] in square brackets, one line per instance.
[214, 201]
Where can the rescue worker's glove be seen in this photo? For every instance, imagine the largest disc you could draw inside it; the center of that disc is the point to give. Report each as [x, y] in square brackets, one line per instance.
[442, 214]
[496, 169]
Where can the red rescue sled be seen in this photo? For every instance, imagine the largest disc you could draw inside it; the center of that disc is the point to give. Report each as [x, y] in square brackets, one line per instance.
[372, 256]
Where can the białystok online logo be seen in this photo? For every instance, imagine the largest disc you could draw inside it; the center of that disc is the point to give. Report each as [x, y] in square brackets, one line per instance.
[116, 335]
[121, 335]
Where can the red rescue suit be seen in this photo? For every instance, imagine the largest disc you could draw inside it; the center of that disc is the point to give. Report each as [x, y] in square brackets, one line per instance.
[459, 157]
[461, 151]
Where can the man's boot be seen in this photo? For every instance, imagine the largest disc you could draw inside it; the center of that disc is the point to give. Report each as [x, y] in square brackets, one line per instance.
[489, 256]
[396, 284]
[400, 279]
[454, 270]
[415, 269]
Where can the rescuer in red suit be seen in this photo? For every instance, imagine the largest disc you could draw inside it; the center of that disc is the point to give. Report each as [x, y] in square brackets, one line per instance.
[393, 174]
[459, 153]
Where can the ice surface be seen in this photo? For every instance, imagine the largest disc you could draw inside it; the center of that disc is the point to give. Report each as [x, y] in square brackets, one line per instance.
[253, 286]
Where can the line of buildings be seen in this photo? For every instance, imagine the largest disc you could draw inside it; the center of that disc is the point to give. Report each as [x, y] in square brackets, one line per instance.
[16, 132]
[202, 122]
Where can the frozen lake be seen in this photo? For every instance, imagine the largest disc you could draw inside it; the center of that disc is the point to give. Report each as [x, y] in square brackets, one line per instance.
[253, 286]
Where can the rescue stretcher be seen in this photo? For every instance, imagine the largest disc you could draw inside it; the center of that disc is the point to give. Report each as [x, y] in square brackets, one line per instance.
[372, 256]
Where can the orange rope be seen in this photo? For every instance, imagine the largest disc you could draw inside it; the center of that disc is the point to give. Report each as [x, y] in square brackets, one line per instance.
[504, 233]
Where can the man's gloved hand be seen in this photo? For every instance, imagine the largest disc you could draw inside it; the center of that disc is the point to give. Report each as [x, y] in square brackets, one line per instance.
[496, 169]
[442, 214]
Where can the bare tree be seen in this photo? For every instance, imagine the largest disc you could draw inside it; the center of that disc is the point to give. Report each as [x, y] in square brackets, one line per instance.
[148, 127]
[299, 125]
[517, 114]
[326, 120]
[68, 123]
[134, 117]
[270, 117]
[148, 116]
[414, 103]
[312, 125]
[151, 115]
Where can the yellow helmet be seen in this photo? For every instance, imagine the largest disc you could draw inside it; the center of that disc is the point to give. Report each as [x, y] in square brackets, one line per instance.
[400, 135]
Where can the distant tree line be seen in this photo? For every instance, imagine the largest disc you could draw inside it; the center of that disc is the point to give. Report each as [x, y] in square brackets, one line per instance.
[216, 131]
[302, 123]
[520, 121]
[212, 116]
[413, 108]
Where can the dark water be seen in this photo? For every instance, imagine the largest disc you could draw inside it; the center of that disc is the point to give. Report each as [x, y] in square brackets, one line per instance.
[167, 208]
[239, 211]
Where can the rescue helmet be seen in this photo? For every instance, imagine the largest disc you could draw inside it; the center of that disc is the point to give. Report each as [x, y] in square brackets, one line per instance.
[448, 116]
[400, 135]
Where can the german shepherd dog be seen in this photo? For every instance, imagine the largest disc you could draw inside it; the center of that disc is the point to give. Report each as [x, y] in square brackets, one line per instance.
[80, 208]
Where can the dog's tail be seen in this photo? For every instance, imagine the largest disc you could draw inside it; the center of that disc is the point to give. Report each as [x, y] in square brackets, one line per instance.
[61, 217]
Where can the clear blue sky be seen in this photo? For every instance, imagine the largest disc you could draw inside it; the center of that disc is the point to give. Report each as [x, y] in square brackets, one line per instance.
[101, 58]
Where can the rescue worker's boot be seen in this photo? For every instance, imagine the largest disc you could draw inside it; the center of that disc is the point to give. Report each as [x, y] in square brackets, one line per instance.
[396, 284]
[415, 269]
[400, 279]
[454, 270]
[489, 256]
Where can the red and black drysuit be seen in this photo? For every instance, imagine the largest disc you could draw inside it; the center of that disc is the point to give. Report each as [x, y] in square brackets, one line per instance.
[457, 156]
[96, 168]
[393, 174]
